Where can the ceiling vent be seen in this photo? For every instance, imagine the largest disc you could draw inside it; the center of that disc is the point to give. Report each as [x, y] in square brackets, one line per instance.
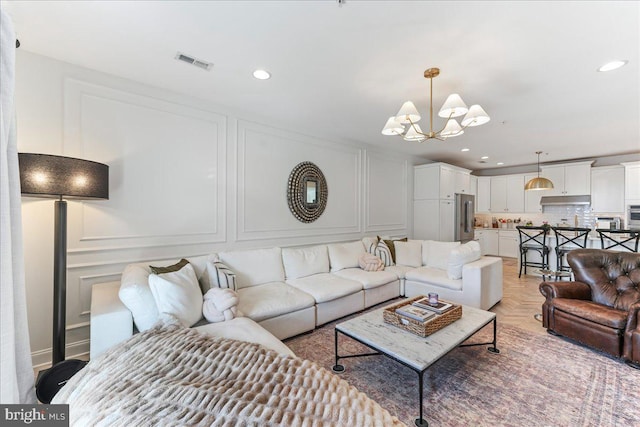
[194, 61]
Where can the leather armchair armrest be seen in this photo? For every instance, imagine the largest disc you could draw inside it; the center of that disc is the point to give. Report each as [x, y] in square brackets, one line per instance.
[633, 319]
[572, 290]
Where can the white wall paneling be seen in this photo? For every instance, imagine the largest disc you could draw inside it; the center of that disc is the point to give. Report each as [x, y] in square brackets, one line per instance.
[265, 158]
[160, 155]
[385, 193]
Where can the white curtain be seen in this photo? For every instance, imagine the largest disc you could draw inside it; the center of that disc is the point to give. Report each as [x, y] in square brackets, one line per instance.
[16, 373]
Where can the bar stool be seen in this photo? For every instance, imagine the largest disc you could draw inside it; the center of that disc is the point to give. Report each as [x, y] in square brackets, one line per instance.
[534, 239]
[568, 239]
[626, 239]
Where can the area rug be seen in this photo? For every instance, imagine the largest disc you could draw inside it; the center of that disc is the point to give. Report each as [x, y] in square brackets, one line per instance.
[536, 380]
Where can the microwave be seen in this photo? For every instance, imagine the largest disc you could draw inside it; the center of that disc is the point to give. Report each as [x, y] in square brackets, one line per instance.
[634, 216]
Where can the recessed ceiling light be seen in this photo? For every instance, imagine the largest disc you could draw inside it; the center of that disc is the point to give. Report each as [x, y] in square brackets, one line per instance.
[613, 65]
[500, 163]
[465, 149]
[261, 74]
[484, 157]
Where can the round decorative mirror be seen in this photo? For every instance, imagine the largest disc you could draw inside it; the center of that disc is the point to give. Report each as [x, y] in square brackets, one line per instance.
[307, 192]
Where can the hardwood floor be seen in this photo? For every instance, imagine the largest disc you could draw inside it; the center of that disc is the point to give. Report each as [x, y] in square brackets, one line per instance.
[521, 298]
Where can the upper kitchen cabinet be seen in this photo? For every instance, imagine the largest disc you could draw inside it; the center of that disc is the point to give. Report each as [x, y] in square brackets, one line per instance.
[607, 189]
[507, 194]
[632, 181]
[473, 186]
[568, 180]
[440, 181]
[483, 194]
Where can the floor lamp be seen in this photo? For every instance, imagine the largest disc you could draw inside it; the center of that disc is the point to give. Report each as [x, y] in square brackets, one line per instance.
[44, 175]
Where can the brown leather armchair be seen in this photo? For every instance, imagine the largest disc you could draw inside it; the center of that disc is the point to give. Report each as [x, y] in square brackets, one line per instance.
[601, 308]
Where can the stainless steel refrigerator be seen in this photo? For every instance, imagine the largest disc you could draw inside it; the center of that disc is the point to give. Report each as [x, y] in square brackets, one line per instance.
[464, 219]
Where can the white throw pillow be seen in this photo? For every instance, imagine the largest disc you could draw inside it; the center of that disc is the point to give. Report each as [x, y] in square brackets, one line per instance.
[438, 253]
[409, 253]
[382, 251]
[303, 262]
[345, 255]
[178, 294]
[460, 256]
[370, 243]
[136, 295]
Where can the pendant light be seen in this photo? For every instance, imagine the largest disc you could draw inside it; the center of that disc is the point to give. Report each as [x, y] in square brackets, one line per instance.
[539, 183]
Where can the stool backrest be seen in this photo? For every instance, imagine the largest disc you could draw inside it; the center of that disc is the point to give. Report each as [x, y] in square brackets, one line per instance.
[571, 236]
[619, 239]
[530, 235]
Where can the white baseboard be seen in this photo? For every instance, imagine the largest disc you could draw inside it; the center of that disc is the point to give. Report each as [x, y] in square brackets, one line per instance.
[41, 359]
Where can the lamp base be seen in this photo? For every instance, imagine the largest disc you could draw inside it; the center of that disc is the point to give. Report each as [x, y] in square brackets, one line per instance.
[51, 380]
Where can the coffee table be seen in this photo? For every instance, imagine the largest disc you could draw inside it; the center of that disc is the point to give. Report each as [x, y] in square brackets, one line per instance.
[411, 350]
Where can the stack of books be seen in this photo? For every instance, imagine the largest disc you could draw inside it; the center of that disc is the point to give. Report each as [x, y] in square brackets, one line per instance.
[439, 308]
[416, 313]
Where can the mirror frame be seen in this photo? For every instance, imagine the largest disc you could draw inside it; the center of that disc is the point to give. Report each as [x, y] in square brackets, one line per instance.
[297, 188]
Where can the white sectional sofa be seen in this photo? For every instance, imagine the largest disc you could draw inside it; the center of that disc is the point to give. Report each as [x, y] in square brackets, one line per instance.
[283, 292]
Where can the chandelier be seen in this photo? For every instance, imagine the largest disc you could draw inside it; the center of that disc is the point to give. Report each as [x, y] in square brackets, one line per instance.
[404, 123]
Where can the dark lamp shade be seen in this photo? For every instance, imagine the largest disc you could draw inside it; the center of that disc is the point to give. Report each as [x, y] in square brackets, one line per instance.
[44, 175]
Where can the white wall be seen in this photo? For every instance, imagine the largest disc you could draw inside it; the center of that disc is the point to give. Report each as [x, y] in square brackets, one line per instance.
[186, 178]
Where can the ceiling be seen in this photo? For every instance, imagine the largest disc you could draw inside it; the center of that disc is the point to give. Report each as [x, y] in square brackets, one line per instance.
[341, 70]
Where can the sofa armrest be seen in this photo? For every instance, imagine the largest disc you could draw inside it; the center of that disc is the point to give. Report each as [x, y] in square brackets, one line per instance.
[483, 279]
[111, 321]
[633, 319]
[572, 290]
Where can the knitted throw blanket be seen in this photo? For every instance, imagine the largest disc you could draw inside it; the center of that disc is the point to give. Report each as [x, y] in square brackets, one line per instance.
[172, 375]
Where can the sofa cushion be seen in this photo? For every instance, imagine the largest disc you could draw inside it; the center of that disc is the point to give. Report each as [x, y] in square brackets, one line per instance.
[273, 299]
[409, 253]
[255, 267]
[399, 270]
[438, 253]
[434, 276]
[369, 279]
[592, 311]
[345, 255]
[178, 294]
[301, 262]
[326, 286]
[460, 256]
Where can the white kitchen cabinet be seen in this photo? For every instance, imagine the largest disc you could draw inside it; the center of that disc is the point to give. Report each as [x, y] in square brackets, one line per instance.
[608, 189]
[433, 220]
[488, 240]
[447, 221]
[568, 180]
[473, 186]
[631, 181]
[508, 243]
[462, 182]
[507, 194]
[532, 197]
[483, 194]
[439, 181]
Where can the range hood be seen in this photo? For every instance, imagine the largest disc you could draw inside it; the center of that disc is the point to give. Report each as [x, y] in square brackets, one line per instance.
[565, 200]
